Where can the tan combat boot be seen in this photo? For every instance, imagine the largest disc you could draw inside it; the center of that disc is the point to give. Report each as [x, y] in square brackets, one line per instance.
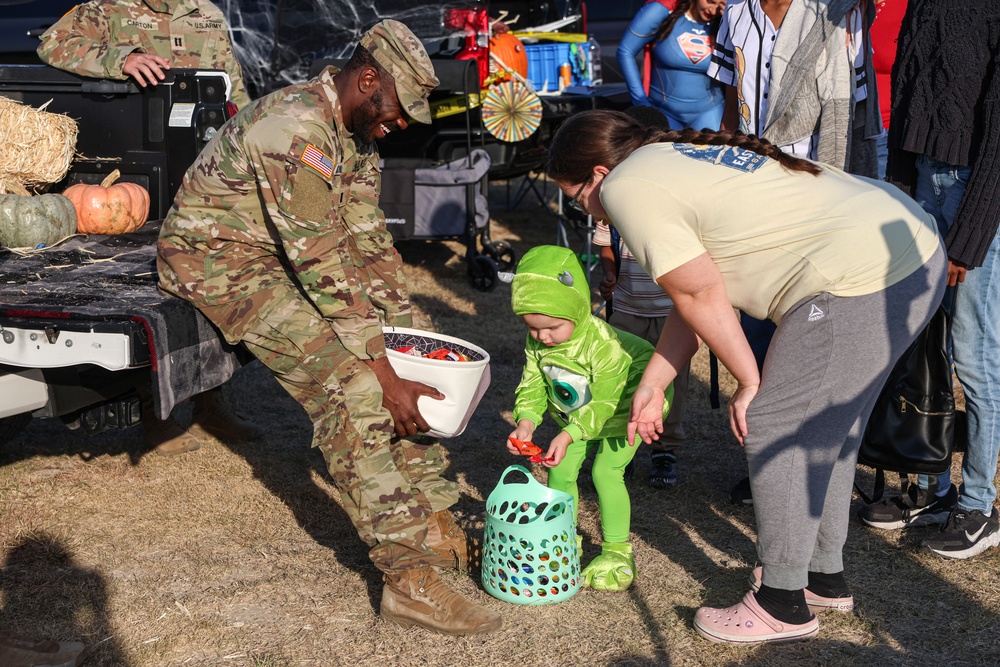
[419, 597]
[213, 418]
[20, 653]
[449, 542]
[166, 435]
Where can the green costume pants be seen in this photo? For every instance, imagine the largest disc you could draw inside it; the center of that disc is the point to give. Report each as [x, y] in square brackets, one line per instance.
[388, 486]
[610, 459]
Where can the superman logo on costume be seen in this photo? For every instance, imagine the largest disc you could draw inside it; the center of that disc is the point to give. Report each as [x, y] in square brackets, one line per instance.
[695, 47]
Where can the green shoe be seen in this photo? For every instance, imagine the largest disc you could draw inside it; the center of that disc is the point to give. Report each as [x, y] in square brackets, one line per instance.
[613, 570]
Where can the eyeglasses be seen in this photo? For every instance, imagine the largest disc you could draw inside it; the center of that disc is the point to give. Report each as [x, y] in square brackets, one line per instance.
[575, 202]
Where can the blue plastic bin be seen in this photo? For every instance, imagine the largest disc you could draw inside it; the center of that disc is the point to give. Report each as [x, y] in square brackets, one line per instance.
[544, 61]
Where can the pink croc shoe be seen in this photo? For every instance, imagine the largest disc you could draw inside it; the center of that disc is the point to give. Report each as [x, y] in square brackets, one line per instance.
[748, 623]
[817, 603]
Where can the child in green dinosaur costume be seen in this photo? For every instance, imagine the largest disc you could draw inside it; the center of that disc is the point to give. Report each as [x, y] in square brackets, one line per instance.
[582, 371]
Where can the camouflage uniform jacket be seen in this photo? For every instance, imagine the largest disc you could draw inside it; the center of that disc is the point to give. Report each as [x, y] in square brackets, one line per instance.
[283, 195]
[95, 38]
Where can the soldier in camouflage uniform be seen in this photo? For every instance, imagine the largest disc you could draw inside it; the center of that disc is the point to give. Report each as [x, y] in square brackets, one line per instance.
[277, 237]
[115, 39]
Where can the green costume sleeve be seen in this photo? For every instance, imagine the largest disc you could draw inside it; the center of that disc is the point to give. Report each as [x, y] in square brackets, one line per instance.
[531, 395]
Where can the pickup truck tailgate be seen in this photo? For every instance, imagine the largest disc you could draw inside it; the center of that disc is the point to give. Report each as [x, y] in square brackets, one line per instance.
[99, 294]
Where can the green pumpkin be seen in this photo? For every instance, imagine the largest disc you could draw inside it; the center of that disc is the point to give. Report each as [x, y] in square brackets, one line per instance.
[26, 222]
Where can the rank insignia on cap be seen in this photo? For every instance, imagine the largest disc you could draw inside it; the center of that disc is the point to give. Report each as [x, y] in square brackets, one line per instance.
[318, 160]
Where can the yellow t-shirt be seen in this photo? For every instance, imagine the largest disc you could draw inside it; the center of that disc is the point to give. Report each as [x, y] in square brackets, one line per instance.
[777, 236]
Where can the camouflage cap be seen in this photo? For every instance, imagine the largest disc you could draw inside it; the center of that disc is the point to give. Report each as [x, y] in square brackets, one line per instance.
[401, 53]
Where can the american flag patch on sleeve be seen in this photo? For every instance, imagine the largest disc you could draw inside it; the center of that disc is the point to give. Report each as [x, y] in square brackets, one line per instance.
[318, 160]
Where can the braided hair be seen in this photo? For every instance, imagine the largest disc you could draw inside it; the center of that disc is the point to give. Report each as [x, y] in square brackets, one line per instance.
[601, 137]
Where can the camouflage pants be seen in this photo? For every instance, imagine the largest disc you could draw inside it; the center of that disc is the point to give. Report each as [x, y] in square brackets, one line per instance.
[388, 486]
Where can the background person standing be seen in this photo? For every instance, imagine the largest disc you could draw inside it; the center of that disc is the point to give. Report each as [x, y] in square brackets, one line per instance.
[681, 50]
[116, 39]
[944, 150]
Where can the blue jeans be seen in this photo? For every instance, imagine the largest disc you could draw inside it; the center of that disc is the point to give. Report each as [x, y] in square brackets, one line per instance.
[975, 331]
[882, 153]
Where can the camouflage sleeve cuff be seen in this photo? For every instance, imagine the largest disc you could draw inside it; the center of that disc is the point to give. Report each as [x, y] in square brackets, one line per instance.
[400, 318]
[376, 346]
[116, 61]
[364, 343]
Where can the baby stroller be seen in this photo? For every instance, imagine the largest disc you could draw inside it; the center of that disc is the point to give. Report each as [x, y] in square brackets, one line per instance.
[448, 201]
[433, 201]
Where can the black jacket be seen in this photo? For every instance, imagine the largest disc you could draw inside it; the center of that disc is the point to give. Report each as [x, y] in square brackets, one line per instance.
[946, 105]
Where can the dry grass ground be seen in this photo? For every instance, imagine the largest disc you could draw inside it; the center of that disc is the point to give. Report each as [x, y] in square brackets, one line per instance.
[241, 555]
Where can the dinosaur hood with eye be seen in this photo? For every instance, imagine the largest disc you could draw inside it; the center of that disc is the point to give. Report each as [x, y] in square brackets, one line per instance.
[586, 382]
[551, 281]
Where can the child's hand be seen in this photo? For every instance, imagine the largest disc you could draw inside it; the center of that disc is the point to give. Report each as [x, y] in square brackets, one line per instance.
[557, 450]
[524, 431]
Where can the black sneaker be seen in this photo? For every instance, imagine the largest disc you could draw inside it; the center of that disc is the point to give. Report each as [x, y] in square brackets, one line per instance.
[741, 493]
[911, 508]
[966, 534]
[663, 470]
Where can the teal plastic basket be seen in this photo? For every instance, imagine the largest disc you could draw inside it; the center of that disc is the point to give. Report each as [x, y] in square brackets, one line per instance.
[530, 555]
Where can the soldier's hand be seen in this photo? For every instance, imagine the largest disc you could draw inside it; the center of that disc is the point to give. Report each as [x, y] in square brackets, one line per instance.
[145, 67]
[400, 396]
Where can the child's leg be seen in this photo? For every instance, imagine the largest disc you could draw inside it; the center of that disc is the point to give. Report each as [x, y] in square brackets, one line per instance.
[563, 477]
[614, 569]
[613, 454]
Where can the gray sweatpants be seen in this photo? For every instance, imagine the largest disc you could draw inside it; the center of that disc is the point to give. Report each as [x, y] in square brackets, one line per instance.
[824, 370]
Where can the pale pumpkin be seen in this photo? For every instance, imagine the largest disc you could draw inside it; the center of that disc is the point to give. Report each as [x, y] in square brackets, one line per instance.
[509, 50]
[27, 222]
[109, 208]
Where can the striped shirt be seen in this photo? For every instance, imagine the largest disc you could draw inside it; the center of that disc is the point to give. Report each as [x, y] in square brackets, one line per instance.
[636, 293]
[742, 59]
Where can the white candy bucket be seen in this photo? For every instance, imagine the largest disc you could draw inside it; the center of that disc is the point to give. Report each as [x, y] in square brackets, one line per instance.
[463, 383]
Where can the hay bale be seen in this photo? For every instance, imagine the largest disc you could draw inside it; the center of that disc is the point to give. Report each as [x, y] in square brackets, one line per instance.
[36, 146]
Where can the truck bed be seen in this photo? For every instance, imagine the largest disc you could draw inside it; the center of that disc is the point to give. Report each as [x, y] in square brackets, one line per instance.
[94, 300]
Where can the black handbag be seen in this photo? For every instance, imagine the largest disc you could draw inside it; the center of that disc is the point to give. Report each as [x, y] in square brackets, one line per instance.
[912, 426]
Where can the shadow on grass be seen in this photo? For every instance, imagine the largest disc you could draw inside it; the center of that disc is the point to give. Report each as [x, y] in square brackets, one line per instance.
[289, 467]
[51, 438]
[48, 596]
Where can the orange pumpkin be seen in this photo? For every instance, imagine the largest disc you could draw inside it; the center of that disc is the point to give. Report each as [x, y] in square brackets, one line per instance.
[109, 208]
[509, 50]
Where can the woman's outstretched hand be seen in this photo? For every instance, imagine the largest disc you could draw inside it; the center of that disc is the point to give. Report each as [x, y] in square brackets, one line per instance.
[646, 417]
[738, 405]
